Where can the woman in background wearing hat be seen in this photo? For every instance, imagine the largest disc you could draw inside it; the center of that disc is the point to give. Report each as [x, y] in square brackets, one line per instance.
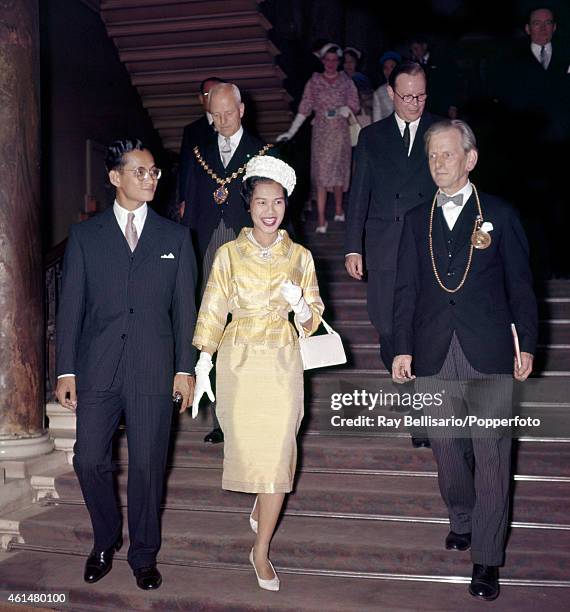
[332, 96]
[351, 65]
[258, 279]
[383, 106]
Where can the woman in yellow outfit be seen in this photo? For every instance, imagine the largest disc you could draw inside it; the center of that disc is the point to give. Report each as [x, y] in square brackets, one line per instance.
[258, 279]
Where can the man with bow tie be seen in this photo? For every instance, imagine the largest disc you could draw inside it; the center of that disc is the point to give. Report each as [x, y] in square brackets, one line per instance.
[214, 210]
[124, 348]
[463, 278]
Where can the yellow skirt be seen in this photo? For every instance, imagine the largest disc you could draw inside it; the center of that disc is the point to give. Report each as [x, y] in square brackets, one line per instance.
[259, 403]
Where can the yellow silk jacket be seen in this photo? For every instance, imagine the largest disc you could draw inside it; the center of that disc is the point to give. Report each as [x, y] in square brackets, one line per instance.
[247, 285]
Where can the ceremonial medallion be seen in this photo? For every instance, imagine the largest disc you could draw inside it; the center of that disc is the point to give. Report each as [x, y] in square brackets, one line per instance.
[480, 239]
[220, 195]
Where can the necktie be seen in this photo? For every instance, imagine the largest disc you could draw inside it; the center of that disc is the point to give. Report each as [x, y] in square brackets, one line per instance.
[406, 137]
[131, 232]
[226, 151]
[543, 57]
[442, 199]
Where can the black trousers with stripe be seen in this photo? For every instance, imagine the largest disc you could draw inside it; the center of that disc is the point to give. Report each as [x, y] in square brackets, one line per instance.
[148, 421]
[474, 463]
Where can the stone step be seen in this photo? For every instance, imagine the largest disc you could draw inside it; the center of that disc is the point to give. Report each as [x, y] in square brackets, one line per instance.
[345, 495]
[321, 383]
[361, 454]
[221, 589]
[550, 358]
[354, 309]
[315, 544]
[363, 332]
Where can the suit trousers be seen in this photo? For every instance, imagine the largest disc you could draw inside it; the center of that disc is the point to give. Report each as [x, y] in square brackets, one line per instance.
[148, 421]
[474, 462]
[380, 302]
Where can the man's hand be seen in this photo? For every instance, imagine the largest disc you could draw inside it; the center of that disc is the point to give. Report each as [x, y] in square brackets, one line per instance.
[184, 385]
[66, 392]
[354, 266]
[524, 371]
[402, 369]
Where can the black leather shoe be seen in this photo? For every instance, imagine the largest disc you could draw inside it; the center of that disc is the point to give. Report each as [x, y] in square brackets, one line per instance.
[485, 582]
[421, 443]
[99, 563]
[458, 541]
[148, 578]
[215, 436]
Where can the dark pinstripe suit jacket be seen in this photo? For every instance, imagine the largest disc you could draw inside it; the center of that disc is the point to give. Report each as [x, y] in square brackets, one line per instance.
[498, 291]
[137, 305]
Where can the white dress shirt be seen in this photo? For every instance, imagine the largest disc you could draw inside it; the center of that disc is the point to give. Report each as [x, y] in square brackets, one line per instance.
[547, 53]
[121, 214]
[413, 129]
[234, 142]
[451, 212]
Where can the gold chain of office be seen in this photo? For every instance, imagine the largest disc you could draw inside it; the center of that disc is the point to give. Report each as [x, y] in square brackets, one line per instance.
[221, 193]
[479, 240]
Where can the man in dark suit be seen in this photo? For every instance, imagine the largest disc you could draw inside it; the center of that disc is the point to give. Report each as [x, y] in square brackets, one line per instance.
[463, 278]
[442, 77]
[198, 132]
[391, 177]
[215, 210]
[124, 328]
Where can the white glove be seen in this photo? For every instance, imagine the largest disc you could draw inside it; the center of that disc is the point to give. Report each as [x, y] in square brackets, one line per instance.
[297, 123]
[344, 111]
[203, 384]
[293, 295]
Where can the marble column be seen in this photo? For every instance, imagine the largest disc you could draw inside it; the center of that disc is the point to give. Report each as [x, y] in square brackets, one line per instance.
[22, 406]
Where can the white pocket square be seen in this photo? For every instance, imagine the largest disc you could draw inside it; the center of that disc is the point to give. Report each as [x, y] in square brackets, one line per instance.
[169, 256]
[487, 226]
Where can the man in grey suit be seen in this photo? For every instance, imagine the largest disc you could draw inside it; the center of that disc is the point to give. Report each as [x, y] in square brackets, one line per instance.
[391, 177]
[124, 348]
[463, 278]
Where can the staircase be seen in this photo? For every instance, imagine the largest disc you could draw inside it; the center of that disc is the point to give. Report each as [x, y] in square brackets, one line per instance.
[170, 46]
[365, 527]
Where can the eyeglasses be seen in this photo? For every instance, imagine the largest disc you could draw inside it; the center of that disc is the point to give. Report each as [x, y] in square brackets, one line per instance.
[141, 174]
[408, 98]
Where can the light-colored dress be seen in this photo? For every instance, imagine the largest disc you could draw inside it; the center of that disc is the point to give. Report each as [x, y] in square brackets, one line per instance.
[259, 373]
[330, 140]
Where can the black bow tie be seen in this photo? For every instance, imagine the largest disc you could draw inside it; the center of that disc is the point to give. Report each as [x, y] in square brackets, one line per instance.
[442, 199]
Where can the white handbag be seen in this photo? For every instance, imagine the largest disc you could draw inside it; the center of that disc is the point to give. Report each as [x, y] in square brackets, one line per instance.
[321, 351]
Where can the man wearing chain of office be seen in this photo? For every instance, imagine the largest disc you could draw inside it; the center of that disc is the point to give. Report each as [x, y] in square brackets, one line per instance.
[463, 279]
[215, 210]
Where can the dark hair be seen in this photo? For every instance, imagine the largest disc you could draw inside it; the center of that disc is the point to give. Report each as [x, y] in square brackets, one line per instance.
[114, 158]
[539, 7]
[203, 83]
[249, 185]
[419, 38]
[407, 67]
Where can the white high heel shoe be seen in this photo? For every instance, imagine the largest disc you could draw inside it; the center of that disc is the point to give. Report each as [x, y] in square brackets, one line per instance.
[269, 585]
[252, 522]
[321, 229]
[340, 217]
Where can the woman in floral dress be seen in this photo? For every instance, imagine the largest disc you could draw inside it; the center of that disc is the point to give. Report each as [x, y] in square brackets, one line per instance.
[331, 96]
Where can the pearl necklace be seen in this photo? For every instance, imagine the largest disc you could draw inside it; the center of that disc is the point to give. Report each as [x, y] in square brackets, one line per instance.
[264, 252]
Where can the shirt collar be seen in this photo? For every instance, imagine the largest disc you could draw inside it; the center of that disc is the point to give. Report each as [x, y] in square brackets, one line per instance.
[121, 213]
[402, 124]
[234, 138]
[536, 48]
[466, 191]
